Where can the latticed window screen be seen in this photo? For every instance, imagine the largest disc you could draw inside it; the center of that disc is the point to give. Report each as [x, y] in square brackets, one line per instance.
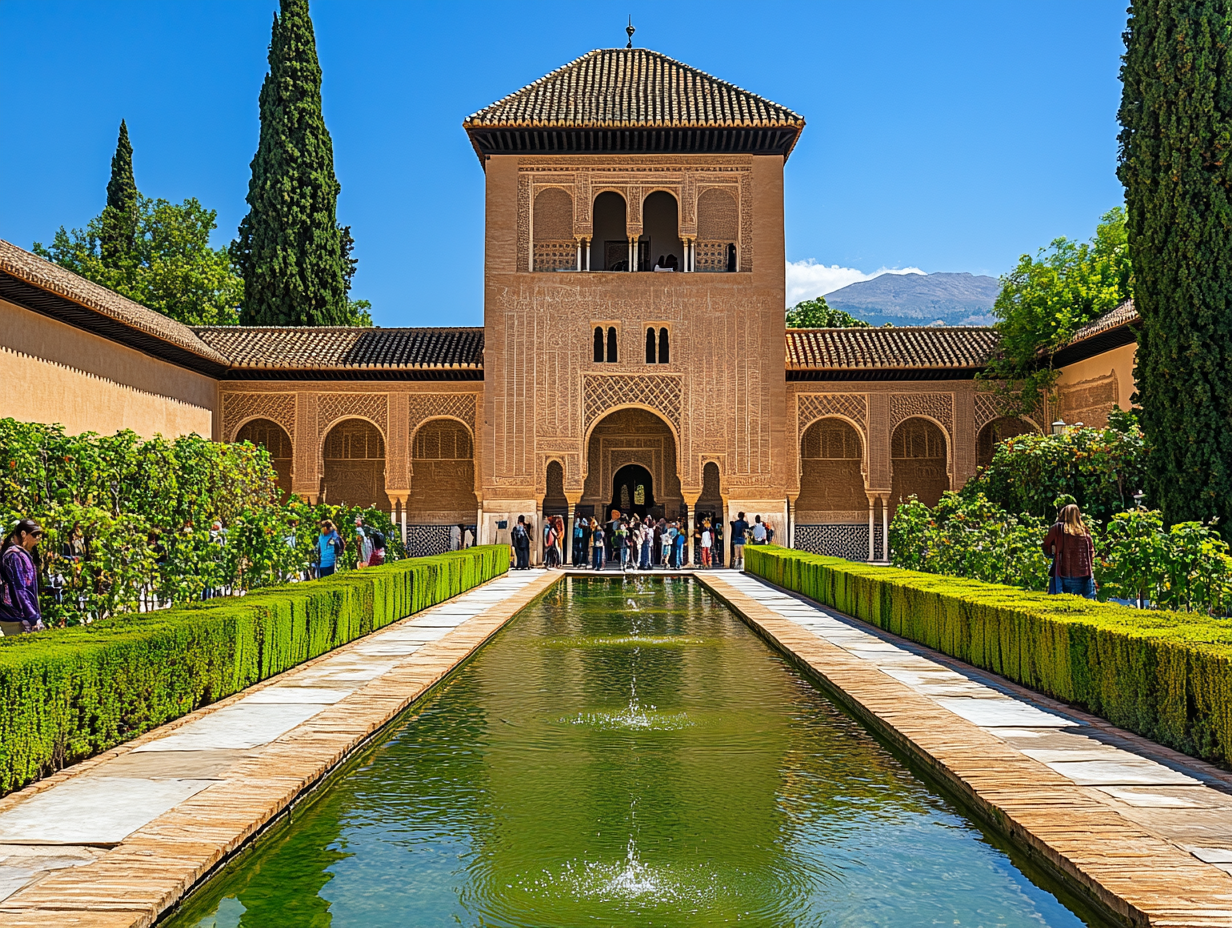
[639, 495]
[917, 438]
[830, 439]
[354, 440]
[269, 436]
[443, 440]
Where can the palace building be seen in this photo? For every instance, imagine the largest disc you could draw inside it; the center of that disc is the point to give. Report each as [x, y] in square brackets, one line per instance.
[633, 352]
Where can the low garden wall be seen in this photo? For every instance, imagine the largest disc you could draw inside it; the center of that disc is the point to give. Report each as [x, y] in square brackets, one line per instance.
[69, 694]
[1165, 675]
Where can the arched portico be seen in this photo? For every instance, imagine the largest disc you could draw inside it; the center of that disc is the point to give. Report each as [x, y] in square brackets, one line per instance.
[353, 464]
[632, 436]
[274, 439]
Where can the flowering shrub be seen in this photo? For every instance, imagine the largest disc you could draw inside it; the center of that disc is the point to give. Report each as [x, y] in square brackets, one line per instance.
[146, 508]
[967, 536]
[1186, 568]
[1100, 469]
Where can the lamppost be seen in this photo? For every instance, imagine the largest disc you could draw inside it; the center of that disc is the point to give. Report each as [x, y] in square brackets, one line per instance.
[1058, 427]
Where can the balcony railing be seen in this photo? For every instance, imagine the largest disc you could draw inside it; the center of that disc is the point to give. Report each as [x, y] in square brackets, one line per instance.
[715, 256]
[555, 256]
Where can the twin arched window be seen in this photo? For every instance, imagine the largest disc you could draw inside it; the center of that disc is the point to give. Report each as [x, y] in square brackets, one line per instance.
[611, 354]
[658, 350]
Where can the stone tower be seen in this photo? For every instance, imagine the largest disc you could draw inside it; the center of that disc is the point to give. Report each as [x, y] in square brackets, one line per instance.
[634, 294]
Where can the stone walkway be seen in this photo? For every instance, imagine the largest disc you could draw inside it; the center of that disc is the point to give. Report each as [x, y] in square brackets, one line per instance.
[1144, 829]
[118, 839]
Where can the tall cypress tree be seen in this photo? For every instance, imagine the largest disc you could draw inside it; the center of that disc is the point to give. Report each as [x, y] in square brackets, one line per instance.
[1176, 165]
[290, 250]
[119, 233]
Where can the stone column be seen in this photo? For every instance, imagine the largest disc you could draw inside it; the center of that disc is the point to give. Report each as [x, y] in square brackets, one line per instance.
[872, 503]
[570, 521]
[398, 503]
[691, 505]
[885, 528]
[791, 520]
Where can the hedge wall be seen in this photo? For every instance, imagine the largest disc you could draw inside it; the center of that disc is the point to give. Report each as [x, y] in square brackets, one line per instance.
[1165, 675]
[72, 693]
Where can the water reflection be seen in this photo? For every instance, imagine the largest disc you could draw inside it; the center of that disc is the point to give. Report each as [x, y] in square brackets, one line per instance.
[626, 753]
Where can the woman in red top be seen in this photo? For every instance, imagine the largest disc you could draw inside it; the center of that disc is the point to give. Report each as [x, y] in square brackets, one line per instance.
[1069, 544]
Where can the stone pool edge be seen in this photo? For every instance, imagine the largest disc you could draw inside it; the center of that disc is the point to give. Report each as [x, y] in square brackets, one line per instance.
[1131, 875]
[139, 882]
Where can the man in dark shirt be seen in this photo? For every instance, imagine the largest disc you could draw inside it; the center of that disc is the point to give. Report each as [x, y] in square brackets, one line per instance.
[740, 530]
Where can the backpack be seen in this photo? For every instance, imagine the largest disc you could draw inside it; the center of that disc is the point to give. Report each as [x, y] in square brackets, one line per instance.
[378, 540]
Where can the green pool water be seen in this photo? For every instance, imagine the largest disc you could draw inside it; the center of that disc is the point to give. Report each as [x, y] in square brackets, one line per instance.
[626, 752]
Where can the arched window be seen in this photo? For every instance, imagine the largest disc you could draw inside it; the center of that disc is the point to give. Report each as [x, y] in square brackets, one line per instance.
[661, 232]
[611, 345]
[554, 245]
[664, 352]
[610, 237]
[598, 345]
[650, 346]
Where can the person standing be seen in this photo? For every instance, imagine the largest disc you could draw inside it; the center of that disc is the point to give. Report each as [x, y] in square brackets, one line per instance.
[740, 530]
[681, 540]
[1069, 544]
[468, 538]
[769, 532]
[596, 545]
[363, 544]
[455, 537]
[377, 538]
[521, 544]
[19, 600]
[707, 541]
[759, 531]
[622, 544]
[579, 540]
[329, 547]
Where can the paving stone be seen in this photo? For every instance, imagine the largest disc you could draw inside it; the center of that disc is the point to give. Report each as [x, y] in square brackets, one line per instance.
[1109, 773]
[241, 725]
[173, 764]
[306, 695]
[94, 810]
[991, 713]
[1161, 797]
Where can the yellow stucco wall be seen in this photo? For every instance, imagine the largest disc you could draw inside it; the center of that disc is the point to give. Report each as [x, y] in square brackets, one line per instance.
[1088, 389]
[54, 372]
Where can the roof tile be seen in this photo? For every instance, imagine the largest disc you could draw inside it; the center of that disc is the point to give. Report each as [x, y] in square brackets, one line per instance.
[905, 348]
[627, 87]
[346, 348]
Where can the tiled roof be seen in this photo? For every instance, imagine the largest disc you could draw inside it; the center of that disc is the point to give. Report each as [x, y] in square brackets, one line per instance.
[889, 349]
[1125, 314]
[632, 87]
[51, 278]
[344, 348]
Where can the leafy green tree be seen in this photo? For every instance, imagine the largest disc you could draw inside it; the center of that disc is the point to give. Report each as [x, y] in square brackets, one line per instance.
[1047, 298]
[295, 259]
[817, 314]
[169, 267]
[119, 219]
[1176, 118]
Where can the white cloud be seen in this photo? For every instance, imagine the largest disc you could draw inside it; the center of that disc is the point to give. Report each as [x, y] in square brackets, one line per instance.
[807, 279]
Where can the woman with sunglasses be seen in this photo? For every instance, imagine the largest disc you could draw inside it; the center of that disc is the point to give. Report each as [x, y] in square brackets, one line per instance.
[19, 577]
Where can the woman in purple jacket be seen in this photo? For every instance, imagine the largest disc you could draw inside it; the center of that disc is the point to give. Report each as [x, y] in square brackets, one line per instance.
[19, 577]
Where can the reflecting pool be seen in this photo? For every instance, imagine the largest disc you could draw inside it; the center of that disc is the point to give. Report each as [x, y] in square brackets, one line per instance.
[626, 752]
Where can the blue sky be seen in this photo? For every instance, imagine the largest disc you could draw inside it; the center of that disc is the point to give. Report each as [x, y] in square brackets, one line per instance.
[944, 136]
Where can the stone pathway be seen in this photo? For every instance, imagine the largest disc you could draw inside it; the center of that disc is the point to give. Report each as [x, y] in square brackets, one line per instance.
[1143, 828]
[118, 839]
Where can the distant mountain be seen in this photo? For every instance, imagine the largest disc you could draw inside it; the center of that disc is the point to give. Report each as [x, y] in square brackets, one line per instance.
[920, 299]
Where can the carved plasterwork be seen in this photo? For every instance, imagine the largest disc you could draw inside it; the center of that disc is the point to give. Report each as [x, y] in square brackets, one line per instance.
[333, 407]
[936, 406]
[238, 408]
[425, 406]
[603, 392]
[634, 177]
[814, 406]
[988, 406]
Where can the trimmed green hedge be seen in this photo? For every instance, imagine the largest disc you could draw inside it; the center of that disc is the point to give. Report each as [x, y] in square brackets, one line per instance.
[72, 693]
[1165, 675]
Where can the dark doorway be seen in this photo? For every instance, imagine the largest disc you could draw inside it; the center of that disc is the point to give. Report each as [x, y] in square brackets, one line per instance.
[632, 491]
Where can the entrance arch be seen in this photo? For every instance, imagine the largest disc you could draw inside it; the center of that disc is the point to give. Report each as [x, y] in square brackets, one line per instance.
[632, 437]
[995, 432]
[274, 439]
[632, 490]
[919, 459]
[354, 458]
